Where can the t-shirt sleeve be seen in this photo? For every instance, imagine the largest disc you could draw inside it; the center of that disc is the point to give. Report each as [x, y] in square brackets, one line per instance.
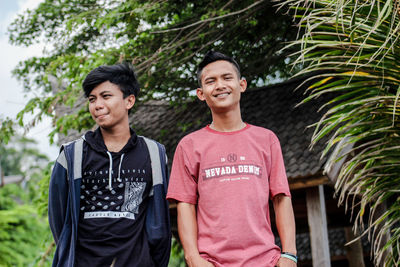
[277, 179]
[183, 182]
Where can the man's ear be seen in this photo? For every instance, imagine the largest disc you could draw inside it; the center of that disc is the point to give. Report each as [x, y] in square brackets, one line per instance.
[130, 101]
[243, 85]
[200, 95]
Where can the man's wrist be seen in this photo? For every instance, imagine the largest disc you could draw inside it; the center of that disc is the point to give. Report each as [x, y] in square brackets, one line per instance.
[289, 256]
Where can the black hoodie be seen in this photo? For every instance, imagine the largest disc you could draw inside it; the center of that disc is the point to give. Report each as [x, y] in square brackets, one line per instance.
[114, 196]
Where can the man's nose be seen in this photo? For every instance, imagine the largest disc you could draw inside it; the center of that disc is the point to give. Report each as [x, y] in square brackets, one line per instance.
[98, 104]
[219, 83]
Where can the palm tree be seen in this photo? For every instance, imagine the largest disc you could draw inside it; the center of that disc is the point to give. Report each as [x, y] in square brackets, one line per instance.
[351, 51]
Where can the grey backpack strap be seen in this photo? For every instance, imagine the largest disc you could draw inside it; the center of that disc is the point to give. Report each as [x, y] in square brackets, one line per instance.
[155, 162]
[78, 155]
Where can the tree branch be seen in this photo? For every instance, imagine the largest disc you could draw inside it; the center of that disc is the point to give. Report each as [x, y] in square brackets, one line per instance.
[211, 19]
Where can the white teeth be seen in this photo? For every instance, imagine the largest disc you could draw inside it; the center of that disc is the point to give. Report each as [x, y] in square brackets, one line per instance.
[222, 95]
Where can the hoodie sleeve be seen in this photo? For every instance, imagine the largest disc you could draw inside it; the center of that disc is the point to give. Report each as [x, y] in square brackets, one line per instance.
[58, 194]
[157, 220]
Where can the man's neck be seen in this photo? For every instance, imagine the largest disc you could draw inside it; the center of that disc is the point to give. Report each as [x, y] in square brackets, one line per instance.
[116, 138]
[227, 122]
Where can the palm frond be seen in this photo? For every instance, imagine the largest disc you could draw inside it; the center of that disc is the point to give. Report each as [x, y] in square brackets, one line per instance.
[351, 50]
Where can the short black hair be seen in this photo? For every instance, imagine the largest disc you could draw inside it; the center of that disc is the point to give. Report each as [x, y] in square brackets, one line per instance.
[121, 74]
[212, 56]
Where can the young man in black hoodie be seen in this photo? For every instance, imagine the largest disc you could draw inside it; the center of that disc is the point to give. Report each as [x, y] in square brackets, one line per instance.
[107, 204]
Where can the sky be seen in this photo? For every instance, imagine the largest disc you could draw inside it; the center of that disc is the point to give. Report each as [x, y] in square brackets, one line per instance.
[12, 98]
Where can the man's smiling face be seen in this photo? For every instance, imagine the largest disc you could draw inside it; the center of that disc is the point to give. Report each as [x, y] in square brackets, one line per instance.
[221, 86]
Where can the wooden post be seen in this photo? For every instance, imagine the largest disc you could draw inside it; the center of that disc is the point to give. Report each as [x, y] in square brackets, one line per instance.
[316, 214]
[354, 254]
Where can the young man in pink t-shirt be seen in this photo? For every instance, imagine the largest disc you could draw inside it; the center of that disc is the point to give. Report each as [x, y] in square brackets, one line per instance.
[223, 177]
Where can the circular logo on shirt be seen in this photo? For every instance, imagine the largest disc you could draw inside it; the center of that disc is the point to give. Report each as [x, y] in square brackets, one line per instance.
[232, 157]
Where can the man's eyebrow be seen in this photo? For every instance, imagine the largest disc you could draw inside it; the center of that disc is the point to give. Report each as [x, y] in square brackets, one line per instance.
[101, 93]
[213, 76]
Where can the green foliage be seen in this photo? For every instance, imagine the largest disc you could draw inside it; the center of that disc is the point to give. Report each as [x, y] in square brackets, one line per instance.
[38, 192]
[177, 258]
[41, 190]
[351, 51]
[164, 40]
[6, 130]
[24, 232]
[20, 232]
[11, 196]
[20, 156]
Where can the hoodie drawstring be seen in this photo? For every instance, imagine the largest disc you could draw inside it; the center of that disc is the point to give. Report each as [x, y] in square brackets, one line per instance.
[110, 170]
[119, 169]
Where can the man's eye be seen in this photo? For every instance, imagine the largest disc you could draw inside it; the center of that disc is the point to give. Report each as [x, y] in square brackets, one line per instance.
[228, 78]
[91, 100]
[209, 82]
[106, 96]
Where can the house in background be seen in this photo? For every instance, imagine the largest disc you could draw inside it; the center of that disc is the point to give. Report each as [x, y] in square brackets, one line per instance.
[322, 227]
[10, 179]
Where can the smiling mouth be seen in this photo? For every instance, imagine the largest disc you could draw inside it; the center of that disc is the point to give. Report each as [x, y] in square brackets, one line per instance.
[222, 95]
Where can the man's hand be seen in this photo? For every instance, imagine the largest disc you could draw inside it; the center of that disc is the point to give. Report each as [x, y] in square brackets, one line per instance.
[285, 262]
[198, 261]
[187, 229]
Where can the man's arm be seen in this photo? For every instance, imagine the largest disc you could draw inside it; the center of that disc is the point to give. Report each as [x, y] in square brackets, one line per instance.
[187, 228]
[286, 227]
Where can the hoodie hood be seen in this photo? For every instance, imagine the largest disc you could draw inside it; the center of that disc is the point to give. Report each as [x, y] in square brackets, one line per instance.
[96, 142]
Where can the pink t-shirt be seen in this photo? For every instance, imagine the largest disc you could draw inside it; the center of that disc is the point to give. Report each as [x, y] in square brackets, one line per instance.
[231, 177]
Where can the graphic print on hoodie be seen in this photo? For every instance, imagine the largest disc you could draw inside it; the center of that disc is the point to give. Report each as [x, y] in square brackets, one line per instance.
[115, 189]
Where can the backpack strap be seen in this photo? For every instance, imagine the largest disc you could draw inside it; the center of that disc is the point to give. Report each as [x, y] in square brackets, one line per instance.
[78, 156]
[155, 162]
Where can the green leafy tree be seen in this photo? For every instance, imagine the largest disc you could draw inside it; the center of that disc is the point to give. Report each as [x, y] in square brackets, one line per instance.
[163, 39]
[24, 232]
[351, 51]
[20, 231]
[6, 130]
